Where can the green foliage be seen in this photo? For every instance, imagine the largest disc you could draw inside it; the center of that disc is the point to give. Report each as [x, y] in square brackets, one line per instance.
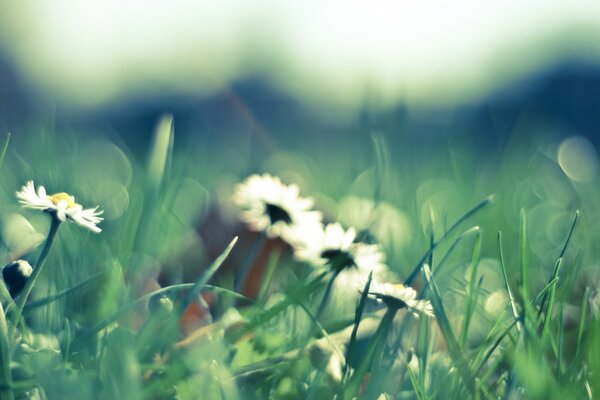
[243, 319]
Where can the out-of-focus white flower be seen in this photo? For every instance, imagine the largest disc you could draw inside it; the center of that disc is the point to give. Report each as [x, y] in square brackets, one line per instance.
[496, 303]
[62, 205]
[337, 248]
[335, 367]
[273, 207]
[400, 296]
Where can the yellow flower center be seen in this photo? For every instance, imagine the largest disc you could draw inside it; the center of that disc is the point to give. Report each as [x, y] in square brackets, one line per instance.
[62, 196]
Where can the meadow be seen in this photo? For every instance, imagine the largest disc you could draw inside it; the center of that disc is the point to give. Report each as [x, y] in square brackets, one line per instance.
[363, 267]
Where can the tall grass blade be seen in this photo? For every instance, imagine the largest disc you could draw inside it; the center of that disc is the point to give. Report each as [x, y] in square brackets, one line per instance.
[559, 350]
[57, 296]
[453, 346]
[4, 149]
[580, 331]
[6, 392]
[523, 263]
[511, 297]
[561, 255]
[360, 308]
[296, 294]
[381, 165]
[125, 309]
[552, 293]
[372, 352]
[415, 271]
[160, 153]
[472, 291]
[205, 277]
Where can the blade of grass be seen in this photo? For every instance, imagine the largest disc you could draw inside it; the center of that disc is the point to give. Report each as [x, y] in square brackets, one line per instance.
[436, 270]
[523, 265]
[544, 291]
[580, 330]
[381, 165]
[472, 291]
[264, 288]
[360, 308]
[6, 392]
[548, 316]
[47, 300]
[244, 270]
[322, 331]
[295, 295]
[415, 383]
[415, 271]
[205, 277]
[561, 255]
[325, 298]
[444, 323]
[422, 349]
[160, 153]
[478, 364]
[78, 341]
[4, 149]
[559, 350]
[513, 302]
[373, 350]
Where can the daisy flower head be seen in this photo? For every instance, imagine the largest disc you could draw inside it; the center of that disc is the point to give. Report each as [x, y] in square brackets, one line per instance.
[336, 247]
[271, 206]
[400, 296]
[61, 205]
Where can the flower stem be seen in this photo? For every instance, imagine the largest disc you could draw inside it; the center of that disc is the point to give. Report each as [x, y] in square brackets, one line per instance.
[326, 295]
[22, 299]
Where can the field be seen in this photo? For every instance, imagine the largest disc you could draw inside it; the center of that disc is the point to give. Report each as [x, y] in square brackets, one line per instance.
[201, 285]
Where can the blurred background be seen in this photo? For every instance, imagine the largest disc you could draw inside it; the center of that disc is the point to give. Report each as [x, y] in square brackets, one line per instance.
[452, 101]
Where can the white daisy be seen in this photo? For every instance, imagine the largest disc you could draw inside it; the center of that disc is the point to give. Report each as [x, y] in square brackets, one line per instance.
[273, 207]
[400, 296]
[337, 248]
[60, 204]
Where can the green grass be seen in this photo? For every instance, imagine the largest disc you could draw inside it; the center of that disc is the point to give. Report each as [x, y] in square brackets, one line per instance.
[86, 330]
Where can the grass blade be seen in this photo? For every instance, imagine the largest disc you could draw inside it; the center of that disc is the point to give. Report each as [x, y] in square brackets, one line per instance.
[360, 307]
[523, 263]
[444, 323]
[548, 316]
[205, 277]
[4, 149]
[559, 350]
[6, 392]
[50, 299]
[415, 271]
[160, 152]
[580, 331]
[126, 308]
[472, 291]
[513, 302]
[295, 295]
[562, 254]
[372, 352]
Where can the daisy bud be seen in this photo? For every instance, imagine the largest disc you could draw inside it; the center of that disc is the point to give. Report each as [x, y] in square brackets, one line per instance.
[15, 276]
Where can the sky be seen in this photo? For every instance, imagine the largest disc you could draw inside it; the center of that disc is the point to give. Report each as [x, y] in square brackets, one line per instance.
[336, 53]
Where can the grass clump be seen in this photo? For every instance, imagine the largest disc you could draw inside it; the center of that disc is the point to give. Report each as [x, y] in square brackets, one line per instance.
[199, 284]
